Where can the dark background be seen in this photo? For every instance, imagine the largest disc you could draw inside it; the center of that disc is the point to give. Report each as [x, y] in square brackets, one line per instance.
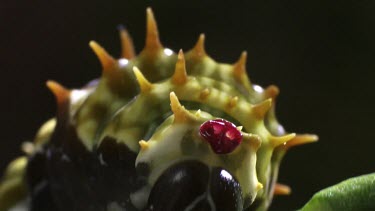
[320, 53]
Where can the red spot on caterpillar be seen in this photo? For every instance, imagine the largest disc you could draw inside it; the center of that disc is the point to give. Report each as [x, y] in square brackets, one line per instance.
[222, 135]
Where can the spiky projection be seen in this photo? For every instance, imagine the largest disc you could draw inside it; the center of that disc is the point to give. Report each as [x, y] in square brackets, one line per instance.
[117, 142]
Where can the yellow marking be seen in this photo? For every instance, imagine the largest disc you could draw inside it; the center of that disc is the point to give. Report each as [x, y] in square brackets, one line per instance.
[144, 84]
[180, 75]
[144, 145]
[204, 94]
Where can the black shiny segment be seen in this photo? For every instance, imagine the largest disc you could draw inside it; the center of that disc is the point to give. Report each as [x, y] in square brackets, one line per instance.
[225, 190]
[179, 186]
[77, 179]
[202, 205]
[193, 186]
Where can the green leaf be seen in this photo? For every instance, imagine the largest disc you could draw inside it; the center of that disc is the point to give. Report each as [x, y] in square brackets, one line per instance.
[355, 194]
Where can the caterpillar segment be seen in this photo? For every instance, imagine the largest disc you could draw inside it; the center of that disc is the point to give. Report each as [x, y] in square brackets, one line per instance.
[157, 131]
[165, 148]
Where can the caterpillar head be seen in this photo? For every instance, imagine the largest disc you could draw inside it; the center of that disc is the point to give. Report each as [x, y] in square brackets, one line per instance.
[161, 131]
[192, 145]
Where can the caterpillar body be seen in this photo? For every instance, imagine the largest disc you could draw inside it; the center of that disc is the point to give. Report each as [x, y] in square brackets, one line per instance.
[157, 131]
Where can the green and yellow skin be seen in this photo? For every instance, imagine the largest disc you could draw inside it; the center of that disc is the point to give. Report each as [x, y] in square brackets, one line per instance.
[146, 111]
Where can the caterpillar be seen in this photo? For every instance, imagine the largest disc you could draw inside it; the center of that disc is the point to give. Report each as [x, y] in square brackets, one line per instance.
[157, 131]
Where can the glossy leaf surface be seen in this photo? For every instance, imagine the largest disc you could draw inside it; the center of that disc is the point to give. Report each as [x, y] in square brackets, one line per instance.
[355, 194]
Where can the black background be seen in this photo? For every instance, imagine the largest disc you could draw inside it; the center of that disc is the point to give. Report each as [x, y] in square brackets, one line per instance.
[320, 53]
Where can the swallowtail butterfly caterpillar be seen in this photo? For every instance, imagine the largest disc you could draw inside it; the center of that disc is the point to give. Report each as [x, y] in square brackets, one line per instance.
[158, 131]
